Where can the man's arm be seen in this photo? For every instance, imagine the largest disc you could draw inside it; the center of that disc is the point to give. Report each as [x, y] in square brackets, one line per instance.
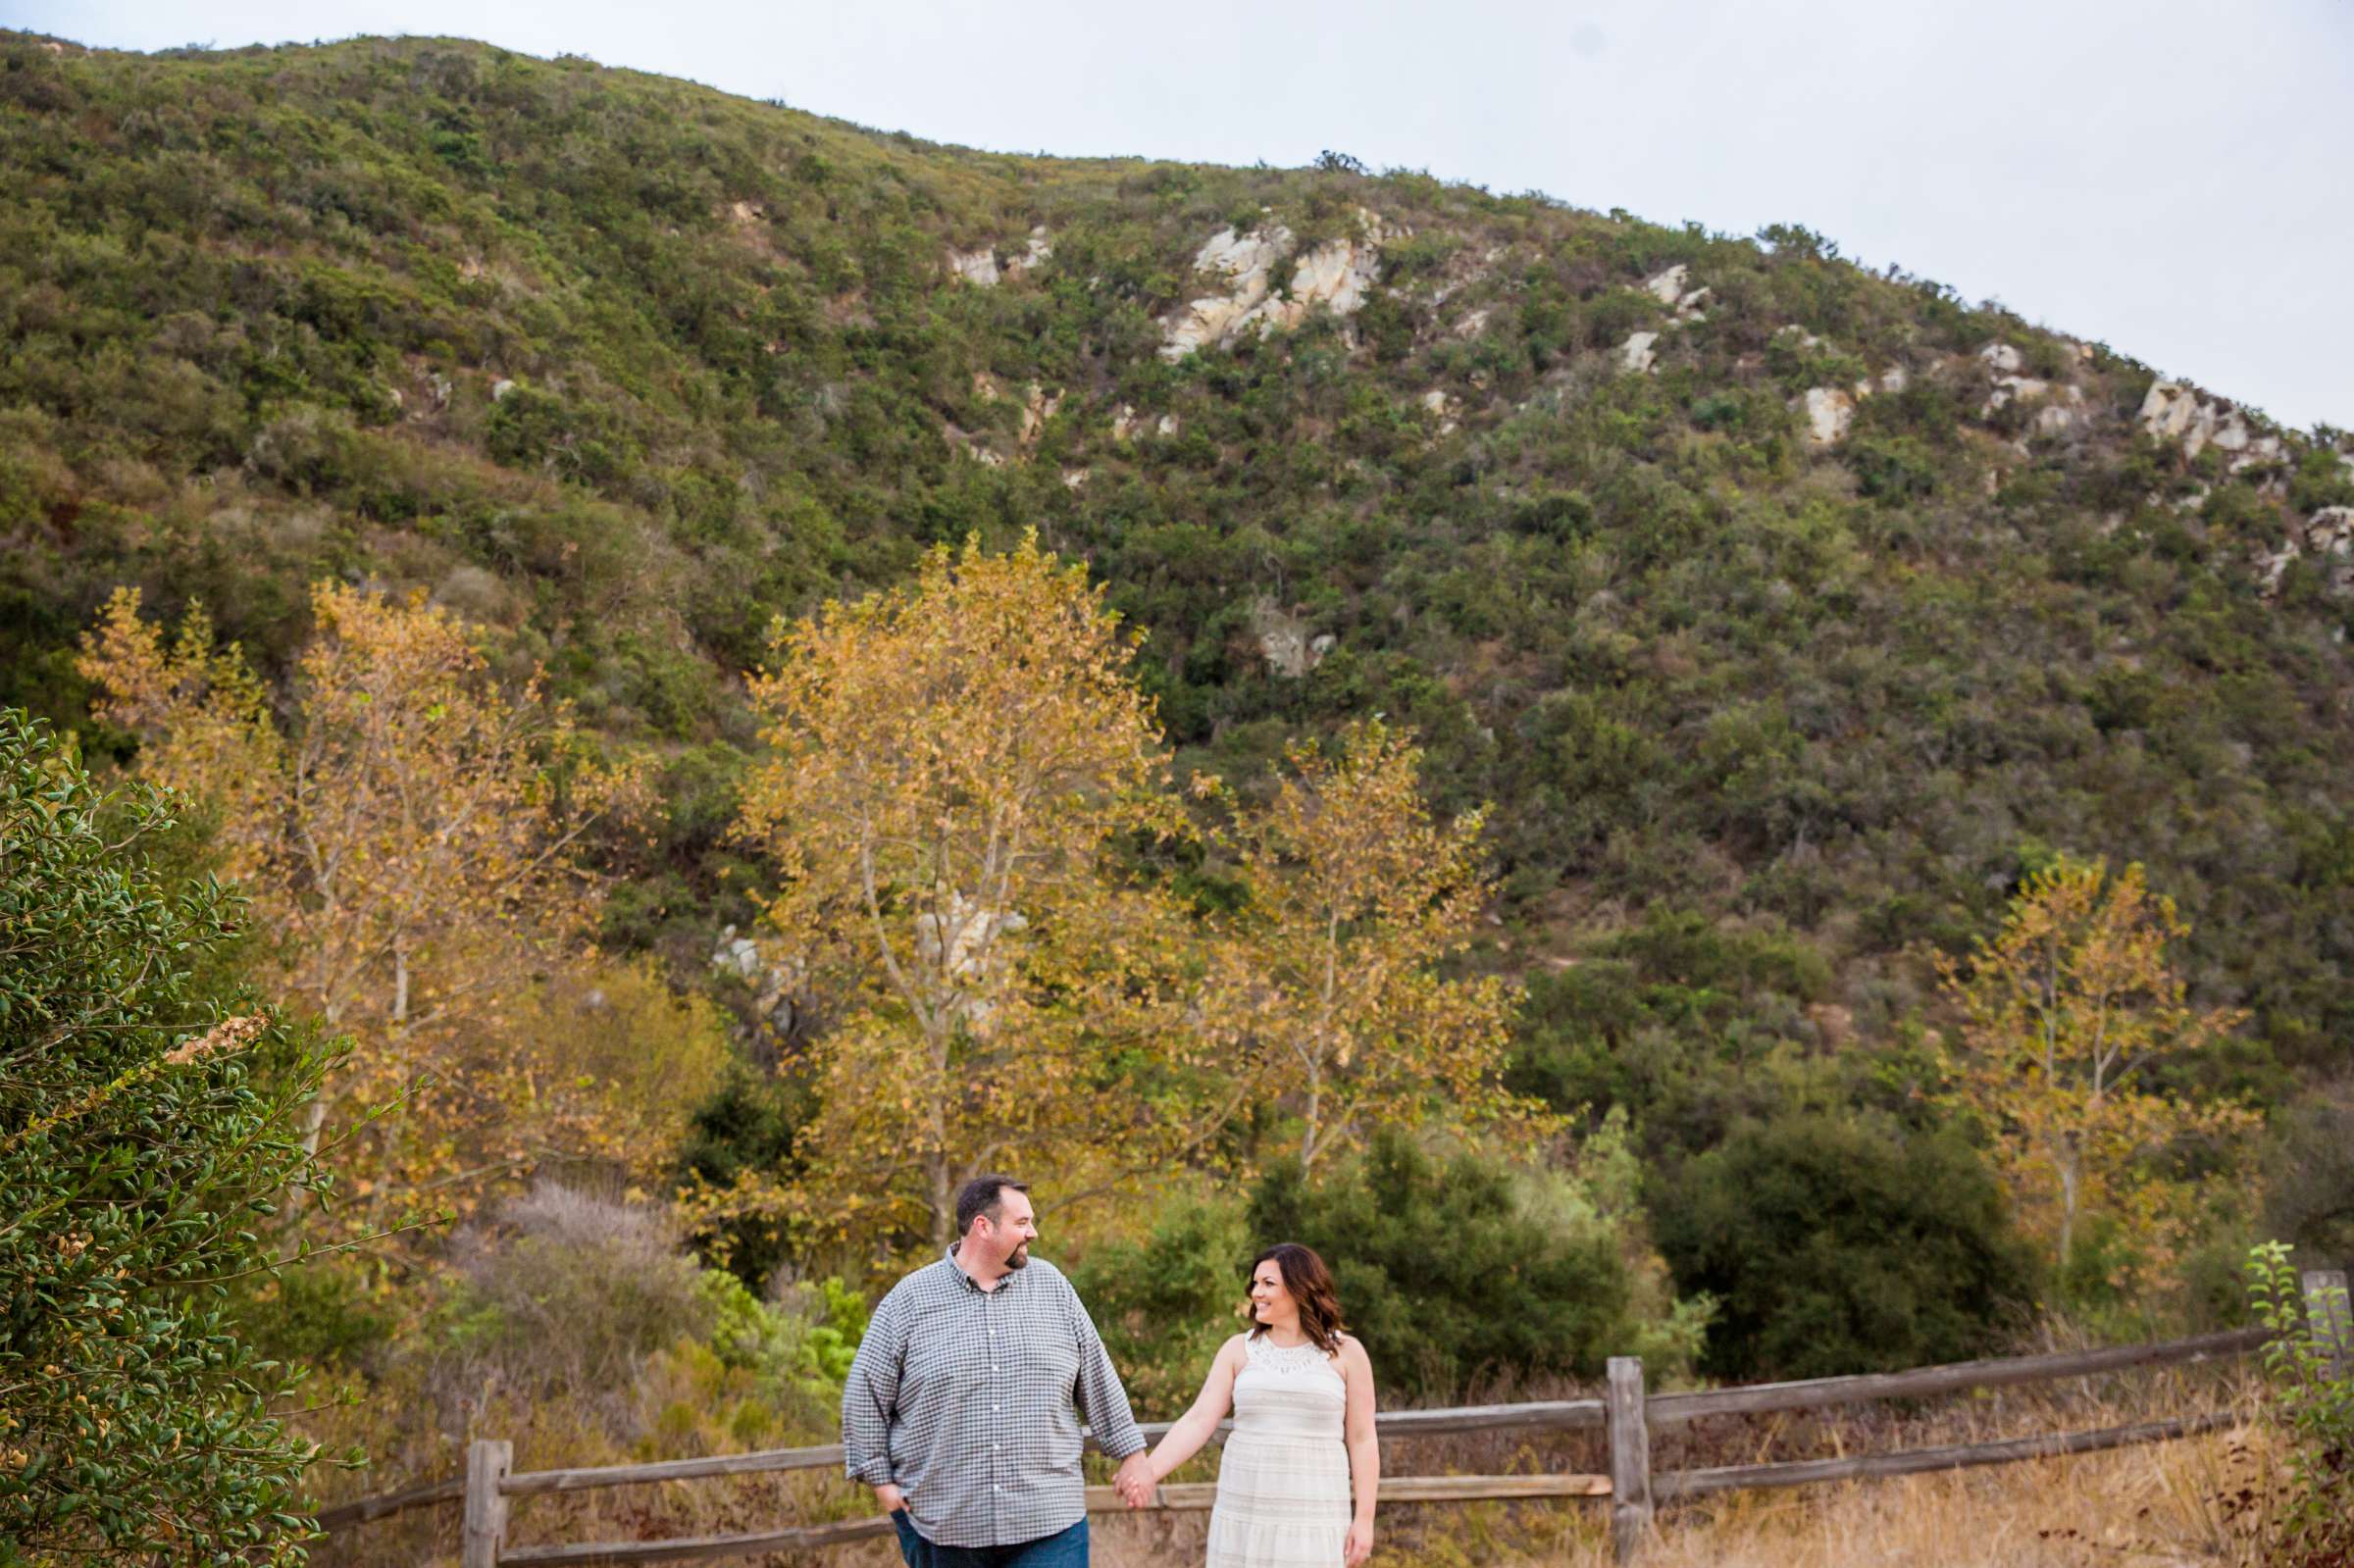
[1103, 1405]
[869, 1396]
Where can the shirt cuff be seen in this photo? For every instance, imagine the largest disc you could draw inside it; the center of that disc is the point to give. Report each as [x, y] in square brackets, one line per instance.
[1129, 1443]
[875, 1473]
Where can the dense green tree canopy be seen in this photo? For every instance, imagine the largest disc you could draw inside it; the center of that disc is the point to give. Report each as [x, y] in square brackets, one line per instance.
[144, 1141]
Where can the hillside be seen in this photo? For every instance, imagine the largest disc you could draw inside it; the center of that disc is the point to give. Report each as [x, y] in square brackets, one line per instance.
[1786, 612]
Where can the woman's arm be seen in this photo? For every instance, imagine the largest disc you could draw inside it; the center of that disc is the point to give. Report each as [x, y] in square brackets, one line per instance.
[1194, 1427]
[1364, 1450]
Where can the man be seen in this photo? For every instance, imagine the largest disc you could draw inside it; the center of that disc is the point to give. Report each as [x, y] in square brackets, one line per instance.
[962, 1407]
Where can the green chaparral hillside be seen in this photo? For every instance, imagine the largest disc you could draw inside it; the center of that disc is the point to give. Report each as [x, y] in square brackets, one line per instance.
[1789, 613]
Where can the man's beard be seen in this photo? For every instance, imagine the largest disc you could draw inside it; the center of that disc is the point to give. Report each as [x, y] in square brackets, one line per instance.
[1019, 1257]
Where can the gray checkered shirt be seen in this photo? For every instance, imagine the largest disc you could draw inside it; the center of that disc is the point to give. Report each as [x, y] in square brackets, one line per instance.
[969, 1400]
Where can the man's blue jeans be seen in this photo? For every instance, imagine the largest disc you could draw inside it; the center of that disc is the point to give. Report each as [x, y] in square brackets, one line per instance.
[1065, 1548]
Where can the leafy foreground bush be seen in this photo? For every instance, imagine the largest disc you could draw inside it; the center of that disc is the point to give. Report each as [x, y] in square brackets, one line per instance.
[1838, 1244]
[2313, 1402]
[138, 1144]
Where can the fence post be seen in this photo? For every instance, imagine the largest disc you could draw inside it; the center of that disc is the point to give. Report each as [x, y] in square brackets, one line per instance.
[487, 1461]
[1630, 1458]
[2326, 1309]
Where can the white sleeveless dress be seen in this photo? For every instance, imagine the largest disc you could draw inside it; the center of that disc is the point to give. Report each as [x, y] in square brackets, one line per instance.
[1283, 1481]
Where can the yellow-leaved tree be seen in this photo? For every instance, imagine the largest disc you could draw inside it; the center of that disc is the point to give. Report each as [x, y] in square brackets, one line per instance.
[409, 845]
[1331, 988]
[956, 767]
[2059, 1020]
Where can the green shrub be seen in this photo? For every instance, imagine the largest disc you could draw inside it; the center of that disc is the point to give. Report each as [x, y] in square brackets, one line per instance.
[1446, 1272]
[2312, 1402]
[1164, 1304]
[1837, 1244]
[147, 1139]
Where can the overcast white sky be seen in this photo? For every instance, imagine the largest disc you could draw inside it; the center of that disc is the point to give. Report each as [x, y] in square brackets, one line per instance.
[2171, 177]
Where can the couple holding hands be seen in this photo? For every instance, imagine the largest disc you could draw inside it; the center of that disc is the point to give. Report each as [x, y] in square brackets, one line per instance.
[962, 1410]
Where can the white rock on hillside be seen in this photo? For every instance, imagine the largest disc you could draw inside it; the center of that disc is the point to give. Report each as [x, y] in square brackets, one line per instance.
[2329, 537]
[1635, 354]
[1335, 276]
[2173, 411]
[1668, 288]
[1442, 404]
[1284, 640]
[1035, 253]
[2002, 359]
[777, 982]
[976, 267]
[1829, 412]
[1036, 409]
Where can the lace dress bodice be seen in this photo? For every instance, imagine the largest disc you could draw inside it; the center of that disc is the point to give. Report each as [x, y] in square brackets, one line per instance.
[1289, 1392]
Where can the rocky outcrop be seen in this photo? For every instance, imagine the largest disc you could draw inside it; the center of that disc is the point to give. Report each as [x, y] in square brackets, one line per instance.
[1671, 289]
[1635, 355]
[1285, 642]
[1441, 405]
[2327, 539]
[778, 984]
[1335, 276]
[962, 943]
[1127, 423]
[2181, 415]
[1036, 409]
[1037, 251]
[2064, 410]
[1829, 412]
[982, 268]
[977, 267]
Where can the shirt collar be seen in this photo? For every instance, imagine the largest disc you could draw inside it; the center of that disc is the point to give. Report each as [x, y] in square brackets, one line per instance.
[965, 1274]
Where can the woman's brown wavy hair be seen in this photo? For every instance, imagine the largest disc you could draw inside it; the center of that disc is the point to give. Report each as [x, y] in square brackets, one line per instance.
[1311, 1284]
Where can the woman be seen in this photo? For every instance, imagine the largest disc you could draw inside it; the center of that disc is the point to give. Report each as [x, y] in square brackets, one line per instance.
[1302, 1397]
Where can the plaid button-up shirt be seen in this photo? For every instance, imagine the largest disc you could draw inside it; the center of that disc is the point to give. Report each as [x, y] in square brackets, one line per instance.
[969, 1400]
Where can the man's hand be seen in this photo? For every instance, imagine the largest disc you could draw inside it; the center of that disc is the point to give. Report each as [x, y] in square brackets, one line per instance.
[889, 1497]
[1134, 1480]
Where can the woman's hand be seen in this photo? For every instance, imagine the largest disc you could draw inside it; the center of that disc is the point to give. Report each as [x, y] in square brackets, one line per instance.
[1360, 1544]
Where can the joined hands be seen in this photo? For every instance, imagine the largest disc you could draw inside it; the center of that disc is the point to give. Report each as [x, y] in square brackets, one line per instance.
[1134, 1481]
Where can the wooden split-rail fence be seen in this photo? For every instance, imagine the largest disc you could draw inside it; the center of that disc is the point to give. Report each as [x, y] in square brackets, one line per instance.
[1628, 1415]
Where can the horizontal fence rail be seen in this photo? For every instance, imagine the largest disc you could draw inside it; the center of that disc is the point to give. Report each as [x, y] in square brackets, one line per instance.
[1681, 1484]
[1815, 1393]
[1627, 1415]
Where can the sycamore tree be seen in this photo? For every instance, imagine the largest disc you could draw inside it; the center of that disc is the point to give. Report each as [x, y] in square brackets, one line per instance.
[1334, 997]
[409, 844]
[2060, 1020]
[959, 769]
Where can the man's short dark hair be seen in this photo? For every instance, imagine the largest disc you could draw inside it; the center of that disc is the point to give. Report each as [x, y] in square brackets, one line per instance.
[984, 1194]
